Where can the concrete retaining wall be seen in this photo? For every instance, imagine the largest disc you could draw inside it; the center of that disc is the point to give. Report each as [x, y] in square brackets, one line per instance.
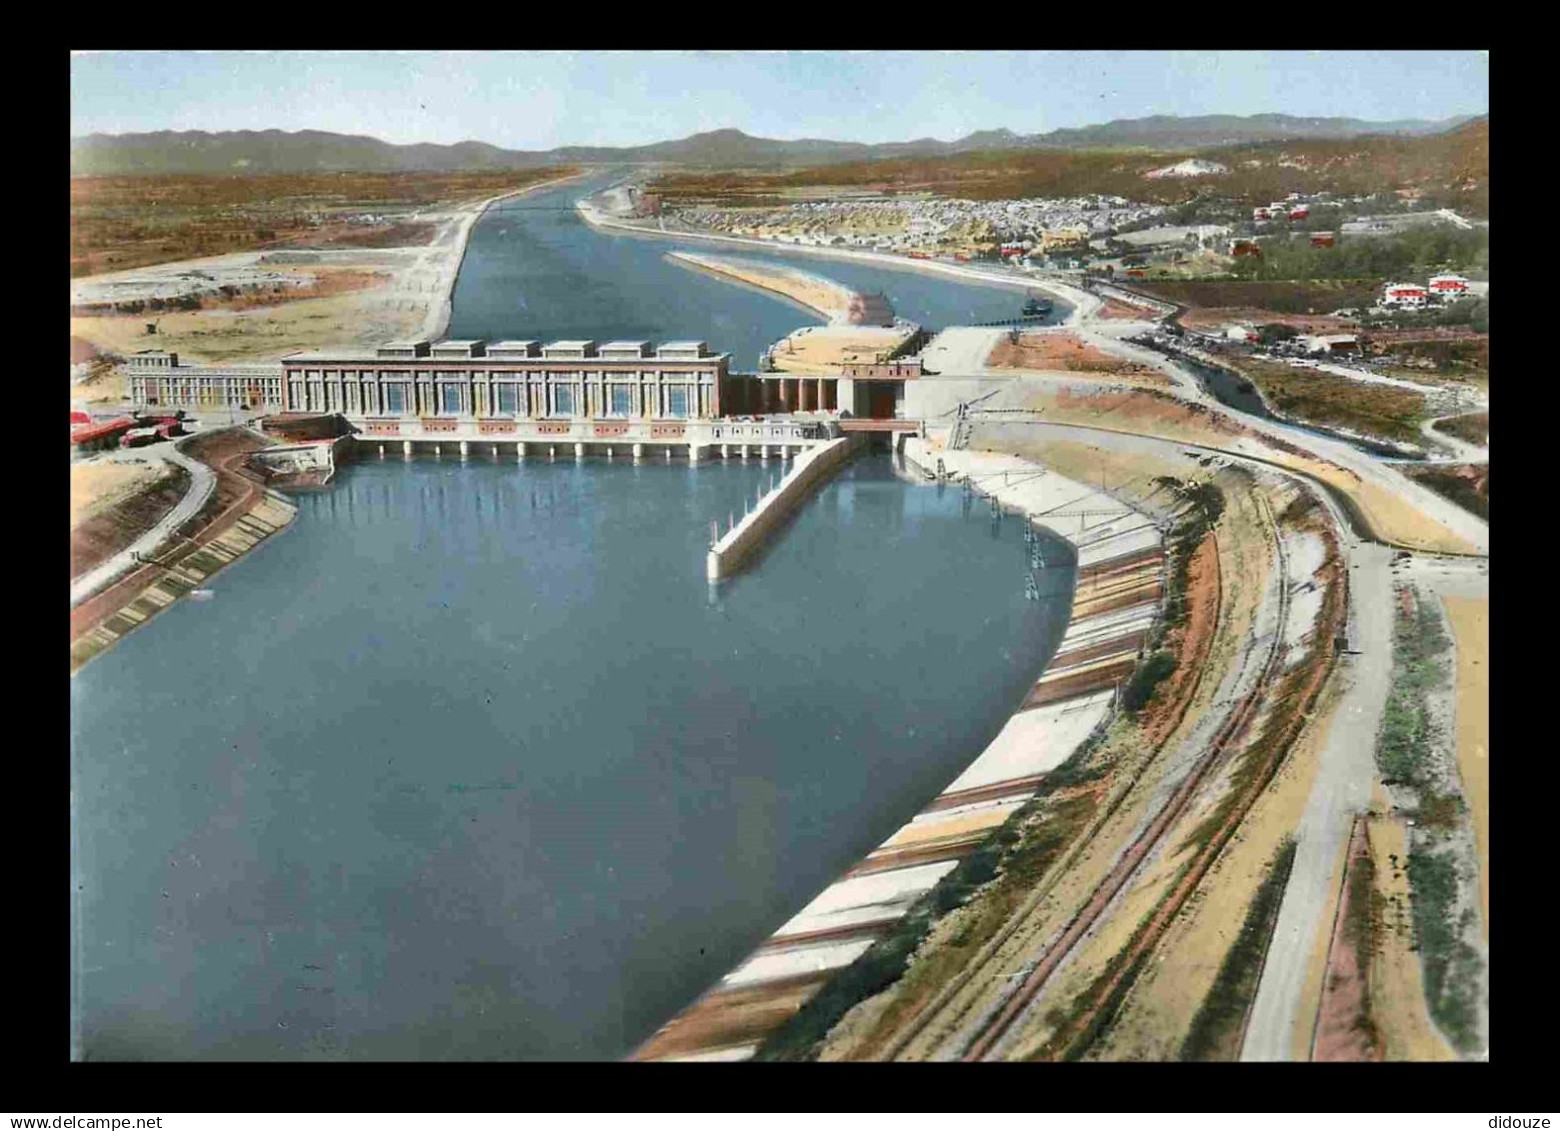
[810, 470]
[1116, 598]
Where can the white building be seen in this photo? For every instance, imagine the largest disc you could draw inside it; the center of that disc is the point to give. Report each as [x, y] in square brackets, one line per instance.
[1404, 294]
[1449, 286]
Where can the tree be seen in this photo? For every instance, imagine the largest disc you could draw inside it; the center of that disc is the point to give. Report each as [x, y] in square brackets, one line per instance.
[1271, 332]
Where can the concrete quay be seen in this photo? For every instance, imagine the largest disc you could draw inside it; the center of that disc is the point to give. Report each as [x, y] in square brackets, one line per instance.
[1116, 599]
[810, 471]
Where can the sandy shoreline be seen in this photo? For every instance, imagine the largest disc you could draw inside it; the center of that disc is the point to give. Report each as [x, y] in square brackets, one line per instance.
[823, 297]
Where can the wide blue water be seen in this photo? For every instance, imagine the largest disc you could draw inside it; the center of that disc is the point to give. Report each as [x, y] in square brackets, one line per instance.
[471, 763]
[534, 269]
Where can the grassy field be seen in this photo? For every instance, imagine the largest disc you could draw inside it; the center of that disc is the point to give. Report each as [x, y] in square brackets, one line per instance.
[118, 223]
[1217, 1029]
[1436, 359]
[1312, 396]
[1474, 428]
[1283, 297]
[1467, 485]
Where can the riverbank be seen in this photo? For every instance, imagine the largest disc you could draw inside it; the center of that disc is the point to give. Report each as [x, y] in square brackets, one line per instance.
[437, 320]
[345, 297]
[230, 517]
[116, 502]
[201, 484]
[1082, 304]
[1115, 600]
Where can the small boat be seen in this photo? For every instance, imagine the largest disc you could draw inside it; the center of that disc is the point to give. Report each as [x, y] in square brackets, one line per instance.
[201, 594]
[1036, 307]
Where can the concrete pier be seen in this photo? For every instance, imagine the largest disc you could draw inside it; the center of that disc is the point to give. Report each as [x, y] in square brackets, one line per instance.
[406, 447]
[579, 451]
[381, 451]
[639, 452]
[808, 472]
[693, 453]
[465, 448]
[725, 451]
[520, 450]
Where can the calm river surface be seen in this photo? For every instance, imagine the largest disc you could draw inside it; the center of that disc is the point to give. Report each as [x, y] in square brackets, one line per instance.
[535, 271]
[471, 763]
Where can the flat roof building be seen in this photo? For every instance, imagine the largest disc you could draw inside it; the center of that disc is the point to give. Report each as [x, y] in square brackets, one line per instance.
[457, 348]
[483, 384]
[514, 349]
[683, 350]
[404, 349]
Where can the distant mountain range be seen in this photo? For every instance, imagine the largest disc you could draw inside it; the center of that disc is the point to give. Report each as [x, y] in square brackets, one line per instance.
[276, 151]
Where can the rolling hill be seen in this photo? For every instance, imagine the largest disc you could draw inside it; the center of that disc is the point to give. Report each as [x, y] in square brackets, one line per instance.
[277, 151]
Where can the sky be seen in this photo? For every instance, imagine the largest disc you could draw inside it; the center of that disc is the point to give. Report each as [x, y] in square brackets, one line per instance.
[540, 100]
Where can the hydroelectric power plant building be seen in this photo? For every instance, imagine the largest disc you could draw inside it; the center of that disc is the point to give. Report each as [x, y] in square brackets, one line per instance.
[678, 396]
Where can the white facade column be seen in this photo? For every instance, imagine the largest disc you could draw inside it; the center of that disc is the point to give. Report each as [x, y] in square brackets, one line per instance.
[520, 450]
[639, 452]
[465, 449]
[693, 453]
[579, 450]
[725, 451]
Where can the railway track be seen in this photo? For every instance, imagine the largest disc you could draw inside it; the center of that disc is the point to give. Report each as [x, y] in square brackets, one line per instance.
[986, 1041]
[1016, 922]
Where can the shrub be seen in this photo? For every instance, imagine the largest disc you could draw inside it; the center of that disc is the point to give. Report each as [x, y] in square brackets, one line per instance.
[1146, 680]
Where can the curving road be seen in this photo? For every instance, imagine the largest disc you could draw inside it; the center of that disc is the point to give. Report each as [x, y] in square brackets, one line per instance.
[203, 481]
[1346, 768]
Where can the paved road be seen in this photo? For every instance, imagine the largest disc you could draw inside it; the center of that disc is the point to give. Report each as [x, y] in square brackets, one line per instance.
[1347, 766]
[1460, 522]
[202, 482]
[1342, 788]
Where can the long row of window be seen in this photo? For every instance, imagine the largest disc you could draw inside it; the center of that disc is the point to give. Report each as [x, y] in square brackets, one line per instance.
[314, 397]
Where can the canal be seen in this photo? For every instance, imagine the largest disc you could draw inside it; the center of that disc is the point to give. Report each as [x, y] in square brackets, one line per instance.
[470, 763]
[534, 269]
